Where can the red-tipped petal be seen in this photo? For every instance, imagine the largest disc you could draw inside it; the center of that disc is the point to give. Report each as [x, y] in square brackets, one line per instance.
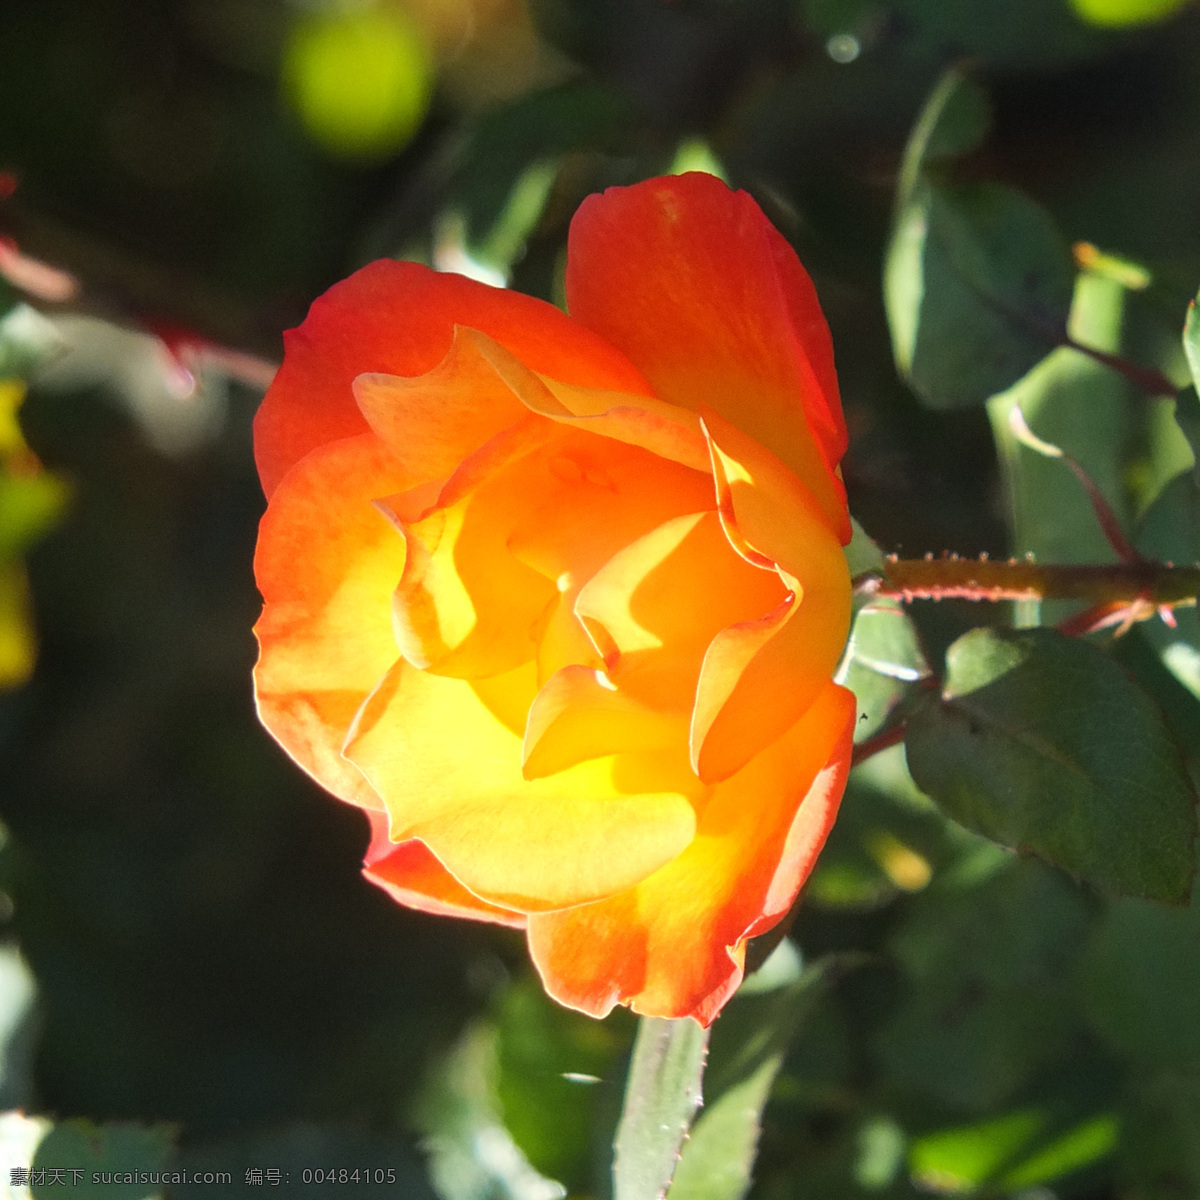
[411, 874]
[674, 945]
[398, 318]
[760, 677]
[706, 299]
[327, 564]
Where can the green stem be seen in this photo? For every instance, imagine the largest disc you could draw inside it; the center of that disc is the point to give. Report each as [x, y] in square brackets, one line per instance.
[662, 1095]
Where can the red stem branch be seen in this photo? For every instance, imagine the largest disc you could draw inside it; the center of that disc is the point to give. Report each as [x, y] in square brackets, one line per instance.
[954, 578]
[1151, 381]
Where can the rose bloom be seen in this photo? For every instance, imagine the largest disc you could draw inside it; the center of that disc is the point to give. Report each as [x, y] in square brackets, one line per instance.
[557, 599]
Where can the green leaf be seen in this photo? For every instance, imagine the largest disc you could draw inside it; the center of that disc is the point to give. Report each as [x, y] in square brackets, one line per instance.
[862, 554]
[977, 285]
[1170, 532]
[1187, 417]
[953, 122]
[18, 990]
[1191, 341]
[748, 1045]
[1061, 1152]
[1076, 403]
[1142, 983]
[123, 1152]
[537, 127]
[1042, 743]
[661, 1098]
[883, 659]
[988, 952]
[1017, 1150]
[557, 1074]
[472, 1156]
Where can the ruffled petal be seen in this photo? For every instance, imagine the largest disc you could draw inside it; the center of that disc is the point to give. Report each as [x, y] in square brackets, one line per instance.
[398, 318]
[529, 516]
[327, 564]
[411, 874]
[433, 421]
[451, 774]
[668, 431]
[674, 945]
[580, 715]
[653, 609]
[759, 678]
[466, 605]
[706, 299]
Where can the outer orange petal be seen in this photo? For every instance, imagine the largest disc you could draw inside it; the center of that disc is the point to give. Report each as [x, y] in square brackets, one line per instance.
[690, 280]
[327, 564]
[760, 677]
[411, 874]
[398, 318]
[433, 421]
[674, 945]
[451, 773]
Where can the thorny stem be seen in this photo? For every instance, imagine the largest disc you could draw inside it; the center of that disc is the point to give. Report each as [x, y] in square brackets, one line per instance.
[952, 578]
[1117, 595]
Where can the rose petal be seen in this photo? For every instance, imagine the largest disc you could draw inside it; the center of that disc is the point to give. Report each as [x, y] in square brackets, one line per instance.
[653, 609]
[564, 642]
[451, 775]
[327, 564]
[397, 318]
[674, 945]
[759, 678]
[668, 431]
[707, 300]
[530, 515]
[580, 715]
[411, 874]
[433, 421]
[466, 605]
[508, 696]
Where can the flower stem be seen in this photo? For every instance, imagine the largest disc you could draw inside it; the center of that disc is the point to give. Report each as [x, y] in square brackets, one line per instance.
[885, 739]
[661, 1098]
[1152, 584]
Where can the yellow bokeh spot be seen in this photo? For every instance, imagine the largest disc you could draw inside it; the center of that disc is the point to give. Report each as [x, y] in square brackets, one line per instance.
[12, 392]
[1117, 13]
[359, 80]
[18, 647]
[907, 869]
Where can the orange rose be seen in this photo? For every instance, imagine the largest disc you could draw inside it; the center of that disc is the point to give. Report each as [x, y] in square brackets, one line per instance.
[558, 600]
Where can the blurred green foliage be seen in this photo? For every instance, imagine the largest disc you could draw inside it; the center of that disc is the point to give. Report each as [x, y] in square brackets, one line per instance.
[217, 989]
